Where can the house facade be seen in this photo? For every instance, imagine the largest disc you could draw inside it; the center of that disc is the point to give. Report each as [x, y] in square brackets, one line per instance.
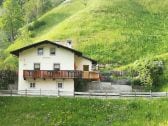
[50, 66]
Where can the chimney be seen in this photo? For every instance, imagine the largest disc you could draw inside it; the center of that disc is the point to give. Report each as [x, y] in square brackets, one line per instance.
[69, 43]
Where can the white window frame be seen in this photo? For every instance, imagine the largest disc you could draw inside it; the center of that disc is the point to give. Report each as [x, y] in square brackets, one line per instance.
[50, 51]
[59, 83]
[38, 51]
[37, 64]
[56, 64]
[32, 85]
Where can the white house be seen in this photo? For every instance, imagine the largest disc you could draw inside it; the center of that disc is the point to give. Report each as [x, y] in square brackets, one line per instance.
[51, 66]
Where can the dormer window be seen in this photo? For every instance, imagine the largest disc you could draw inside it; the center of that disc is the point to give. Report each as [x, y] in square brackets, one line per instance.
[40, 51]
[52, 51]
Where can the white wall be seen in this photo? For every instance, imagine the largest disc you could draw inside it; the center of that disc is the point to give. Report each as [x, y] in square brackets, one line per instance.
[49, 86]
[65, 57]
[28, 57]
[80, 61]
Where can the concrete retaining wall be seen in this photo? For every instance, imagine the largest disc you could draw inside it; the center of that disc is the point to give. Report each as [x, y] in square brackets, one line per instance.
[108, 87]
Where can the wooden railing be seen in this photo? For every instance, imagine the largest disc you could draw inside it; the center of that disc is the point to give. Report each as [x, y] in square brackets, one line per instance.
[51, 74]
[62, 74]
[93, 75]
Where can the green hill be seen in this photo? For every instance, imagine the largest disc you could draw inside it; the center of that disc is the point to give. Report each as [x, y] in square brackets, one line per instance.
[118, 31]
[111, 31]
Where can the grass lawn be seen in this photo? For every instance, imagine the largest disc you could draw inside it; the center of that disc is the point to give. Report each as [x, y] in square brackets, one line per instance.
[34, 111]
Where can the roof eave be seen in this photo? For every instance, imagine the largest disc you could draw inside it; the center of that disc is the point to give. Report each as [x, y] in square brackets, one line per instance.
[17, 51]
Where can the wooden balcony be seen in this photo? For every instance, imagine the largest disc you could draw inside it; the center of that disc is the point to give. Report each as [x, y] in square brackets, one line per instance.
[62, 74]
[90, 75]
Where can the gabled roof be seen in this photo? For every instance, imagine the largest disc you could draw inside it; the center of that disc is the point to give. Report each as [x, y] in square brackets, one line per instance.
[16, 52]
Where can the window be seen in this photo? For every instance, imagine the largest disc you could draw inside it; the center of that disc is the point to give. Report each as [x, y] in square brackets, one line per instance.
[52, 51]
[85, 67]
[32, 85]
[40, 51]
[37, 66]
[60, 85]
[56, 66]
[93, 67]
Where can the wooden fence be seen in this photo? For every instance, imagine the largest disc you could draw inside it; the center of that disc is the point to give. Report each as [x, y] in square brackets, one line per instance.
[81, 94]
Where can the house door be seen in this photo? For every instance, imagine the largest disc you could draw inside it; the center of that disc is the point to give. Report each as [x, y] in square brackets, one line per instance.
[85, 67]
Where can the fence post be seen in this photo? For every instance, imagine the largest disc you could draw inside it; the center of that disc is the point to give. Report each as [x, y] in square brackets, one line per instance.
[74, 93]
[58, 92]
[40, 92]
[166, 93]
[106, 94]
[26, 92]
[89, 94]
[11, 92]
[150, 93]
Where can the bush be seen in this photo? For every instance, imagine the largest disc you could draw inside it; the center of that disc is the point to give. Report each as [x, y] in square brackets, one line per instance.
[149, 72]
[32, 35]
[136, 81]
[36, 25]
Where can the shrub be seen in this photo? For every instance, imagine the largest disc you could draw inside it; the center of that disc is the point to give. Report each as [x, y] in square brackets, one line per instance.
[149, 72]
[32, 35]
[136, 81]
[36, 25]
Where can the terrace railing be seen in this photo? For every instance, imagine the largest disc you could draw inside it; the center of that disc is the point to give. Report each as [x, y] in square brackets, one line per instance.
[51, 74]
[61, 74]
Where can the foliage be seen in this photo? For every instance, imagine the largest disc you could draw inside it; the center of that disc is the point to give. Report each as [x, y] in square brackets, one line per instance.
[149, 72]
[12, 19]
[35, 25]
[35, 8]
[10, 63]
[146, 72]
[136, 81]
[7, 77]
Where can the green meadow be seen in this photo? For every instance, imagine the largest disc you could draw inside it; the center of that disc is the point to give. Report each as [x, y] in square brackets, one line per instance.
[44, 111]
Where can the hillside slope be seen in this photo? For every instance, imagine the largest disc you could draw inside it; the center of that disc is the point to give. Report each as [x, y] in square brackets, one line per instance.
[111, 31]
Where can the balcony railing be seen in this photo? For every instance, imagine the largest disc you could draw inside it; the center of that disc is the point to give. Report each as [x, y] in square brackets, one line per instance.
[62, 74]
[93, 75]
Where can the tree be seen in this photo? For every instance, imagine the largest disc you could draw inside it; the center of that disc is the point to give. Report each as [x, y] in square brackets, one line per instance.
[12, 19]
[35, 8]
[149, 72]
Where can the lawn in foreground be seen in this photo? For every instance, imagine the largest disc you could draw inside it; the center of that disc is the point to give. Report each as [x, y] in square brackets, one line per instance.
[36, 111]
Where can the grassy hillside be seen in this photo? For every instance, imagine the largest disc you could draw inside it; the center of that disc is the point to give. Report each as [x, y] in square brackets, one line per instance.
[22, 111]
[111, 31]
[117, 32]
